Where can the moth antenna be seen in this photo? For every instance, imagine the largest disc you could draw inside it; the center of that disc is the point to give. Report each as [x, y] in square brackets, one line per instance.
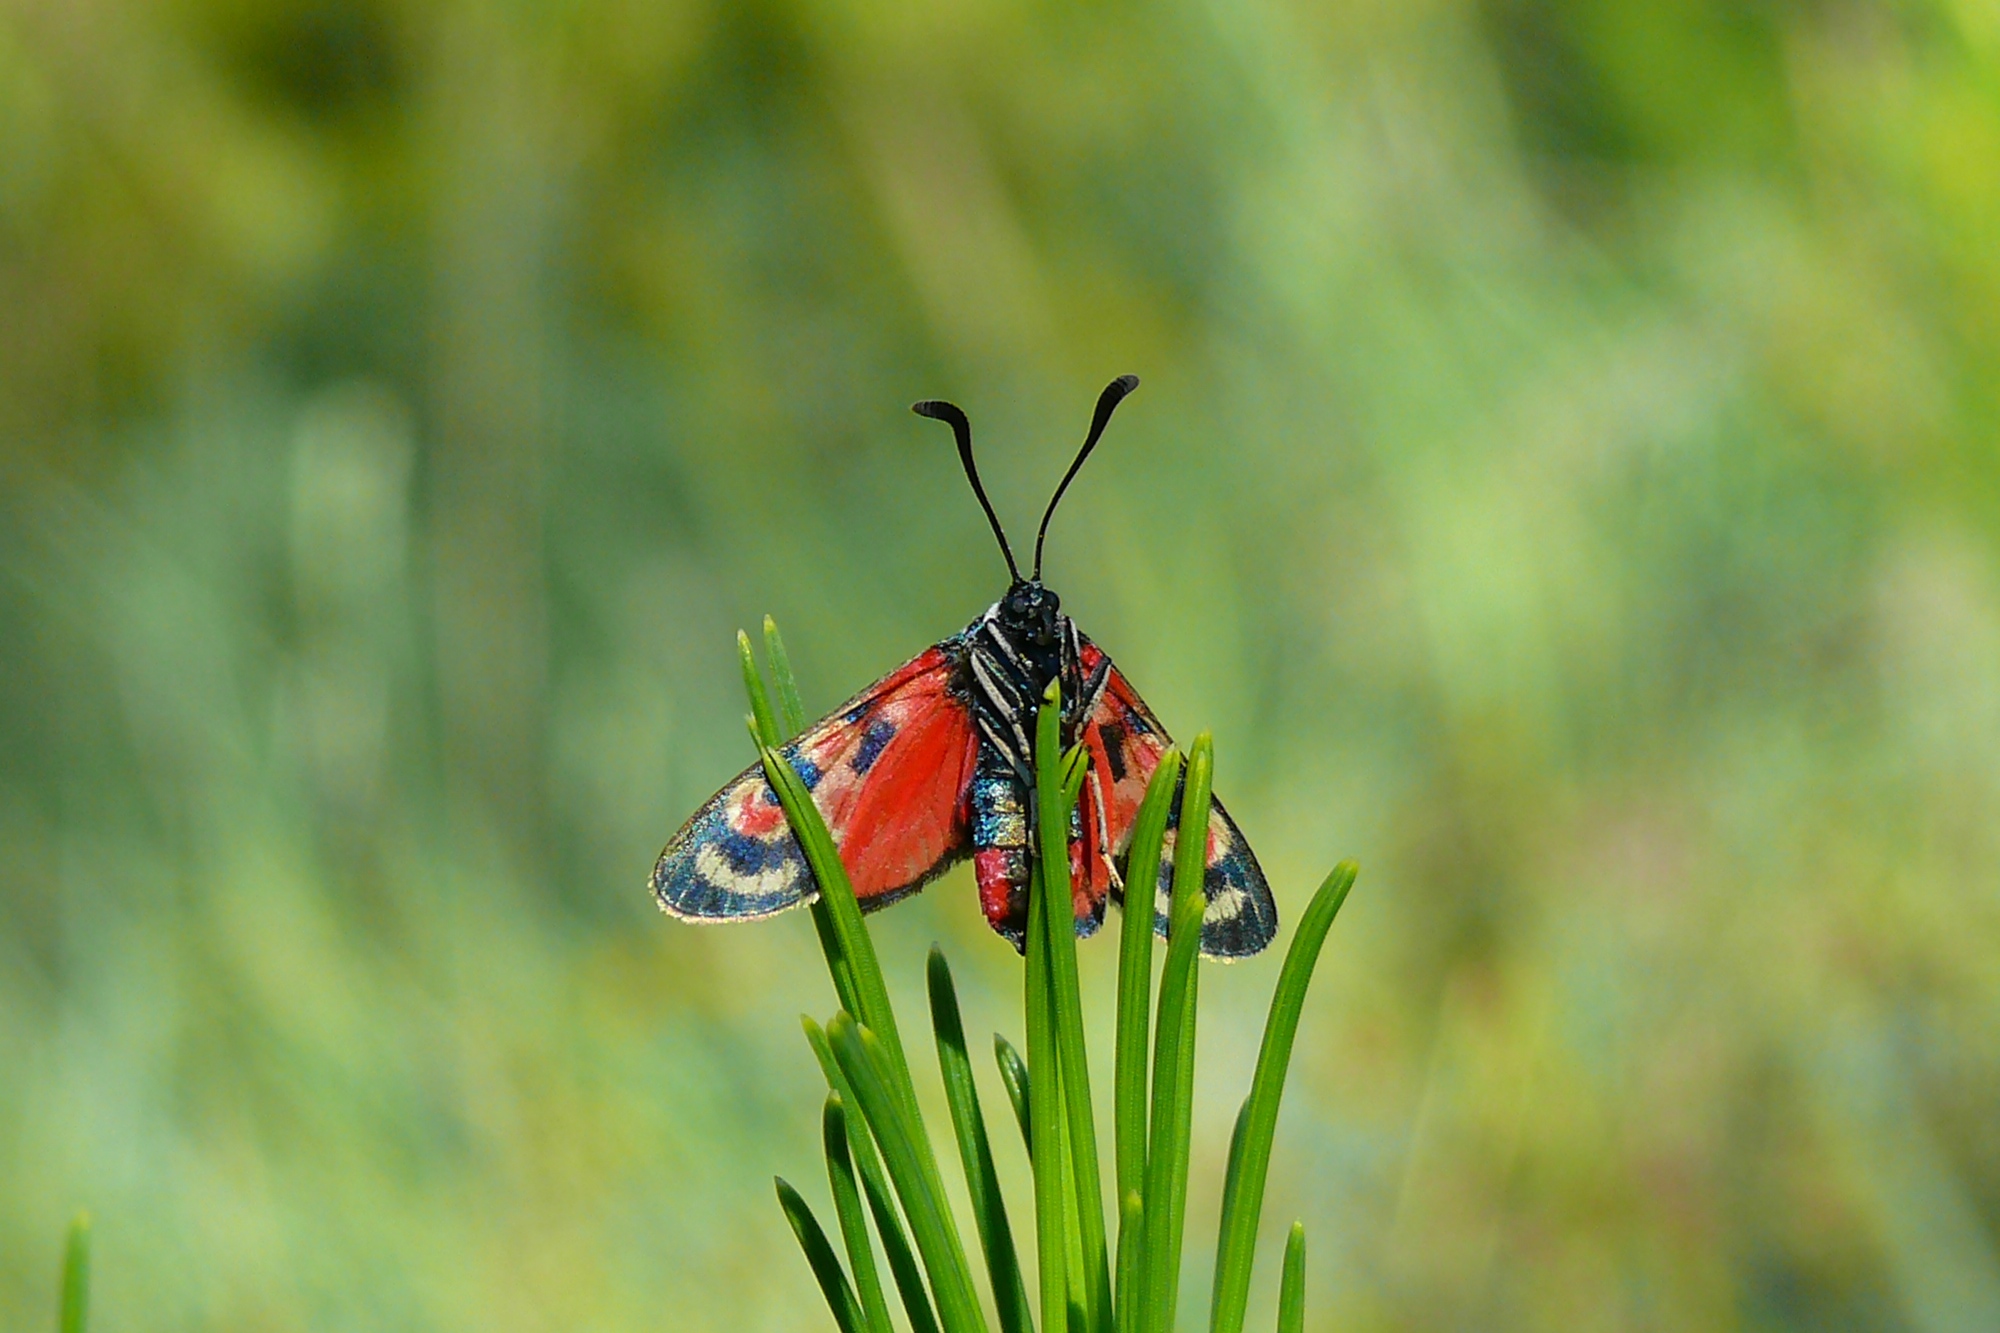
[961, 429]
[1107, 403]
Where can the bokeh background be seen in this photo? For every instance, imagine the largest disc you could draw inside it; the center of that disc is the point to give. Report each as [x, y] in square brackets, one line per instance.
[1565, 480]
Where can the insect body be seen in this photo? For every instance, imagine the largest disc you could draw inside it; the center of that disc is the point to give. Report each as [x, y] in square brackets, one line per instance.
[934, 762]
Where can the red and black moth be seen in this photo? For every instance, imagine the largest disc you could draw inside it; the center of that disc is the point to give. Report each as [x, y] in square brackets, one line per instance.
[934, 763]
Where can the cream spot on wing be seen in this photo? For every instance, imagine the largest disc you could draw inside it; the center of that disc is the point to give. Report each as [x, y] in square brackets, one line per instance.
[1224, 906]
[714, 867]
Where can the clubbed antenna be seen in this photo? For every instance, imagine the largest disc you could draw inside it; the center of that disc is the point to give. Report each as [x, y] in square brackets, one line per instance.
[1107, 403]
[961, 429]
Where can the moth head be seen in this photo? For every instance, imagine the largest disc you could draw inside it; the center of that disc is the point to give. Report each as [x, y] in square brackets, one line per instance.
[1030, 612]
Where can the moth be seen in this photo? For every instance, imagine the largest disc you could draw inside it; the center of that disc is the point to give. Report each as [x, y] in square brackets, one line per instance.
[934, 763]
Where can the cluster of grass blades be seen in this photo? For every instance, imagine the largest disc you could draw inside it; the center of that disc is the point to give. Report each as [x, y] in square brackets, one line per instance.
[877, 1148]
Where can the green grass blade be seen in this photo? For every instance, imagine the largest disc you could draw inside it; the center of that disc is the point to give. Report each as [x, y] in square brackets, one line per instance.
[76, 1276]
[1135, 981]
[825, 1263]
[1174, 1037]
[989, 1208]
[1045, 1113]
[1058, 780]
[847, 1210]
[790, 710]
[1243, 1191]
[764, 726]
[864, 1058]
[903, 1267]
[1014, 1077]
[1292, 1290]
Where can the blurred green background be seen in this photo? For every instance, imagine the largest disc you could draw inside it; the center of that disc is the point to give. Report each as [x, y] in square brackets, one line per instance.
[1566, 480]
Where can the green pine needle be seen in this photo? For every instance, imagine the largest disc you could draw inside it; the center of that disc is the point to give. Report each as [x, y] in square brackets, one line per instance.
[781, 672]
[1052, 1209]
[76, 1276]
[864, 1058]
[1292, 1289]
[836, 891]
[765, 735]
[1063, 776]
[763, 726]
[982, 1179]
[1174, 1038]
[847, 1210]
[825, 1263]
[1014, 1077]
[1135, 979]
[1131, 1262]
[903, 1267]
[1250, 1158]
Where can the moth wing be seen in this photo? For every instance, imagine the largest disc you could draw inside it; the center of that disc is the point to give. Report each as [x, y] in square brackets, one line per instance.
[889, 772]
[1125, 742]
[894, 772]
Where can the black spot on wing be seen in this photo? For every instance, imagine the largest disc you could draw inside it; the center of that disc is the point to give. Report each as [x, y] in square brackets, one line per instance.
[1114, 749]
[880, 732]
